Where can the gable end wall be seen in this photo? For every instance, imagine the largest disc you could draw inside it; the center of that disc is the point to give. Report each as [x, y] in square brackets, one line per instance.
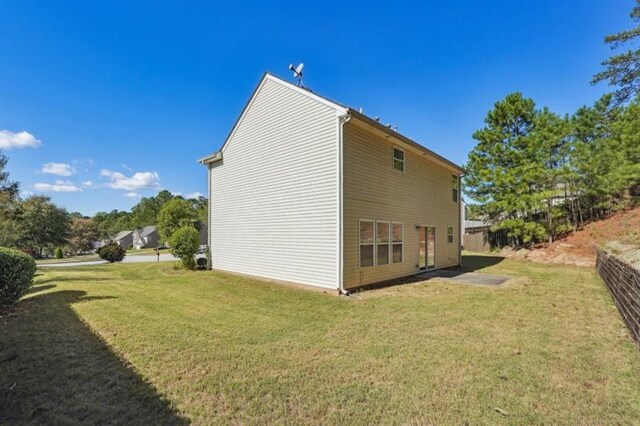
[274, 194]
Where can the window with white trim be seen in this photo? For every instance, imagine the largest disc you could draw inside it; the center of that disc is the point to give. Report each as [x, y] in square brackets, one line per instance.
[398, 159]
[382, 243]
[367, 240]
[449, 234]
[397, 233]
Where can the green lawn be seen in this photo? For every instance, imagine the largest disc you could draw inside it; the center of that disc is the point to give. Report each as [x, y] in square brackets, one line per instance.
[143, 343]
[145, 252]
[72, 259]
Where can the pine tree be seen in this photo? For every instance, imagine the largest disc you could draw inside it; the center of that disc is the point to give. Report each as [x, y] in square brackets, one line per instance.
[504, 169]
[623, 70]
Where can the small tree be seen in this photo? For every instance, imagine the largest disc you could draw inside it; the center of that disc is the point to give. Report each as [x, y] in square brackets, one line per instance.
[58, 253]
[184, 244]
[175, 214]
[112, 253]
[83, 233]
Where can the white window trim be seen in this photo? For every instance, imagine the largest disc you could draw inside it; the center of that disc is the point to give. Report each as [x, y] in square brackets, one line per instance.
[391, 262]
[388, 243]
[452, 234]
[393, 159]
[360, 244]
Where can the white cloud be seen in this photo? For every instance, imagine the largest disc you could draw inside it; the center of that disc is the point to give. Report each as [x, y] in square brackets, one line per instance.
[58, 169]
[139, 180]
[87, 184]
[131, 194]
[194, 195]
[124, 166]
[10, 140]
[58, 186]
[83, 162]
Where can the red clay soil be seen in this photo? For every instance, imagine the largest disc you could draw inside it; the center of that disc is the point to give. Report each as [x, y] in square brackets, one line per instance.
[579, 248]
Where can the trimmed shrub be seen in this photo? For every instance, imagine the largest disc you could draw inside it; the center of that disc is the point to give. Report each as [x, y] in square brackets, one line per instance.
[185, 243]
[112, 253]
[58, 253]
[201, 262]
[17, 270]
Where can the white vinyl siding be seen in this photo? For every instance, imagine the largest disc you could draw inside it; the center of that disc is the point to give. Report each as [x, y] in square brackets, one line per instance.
[274, 194]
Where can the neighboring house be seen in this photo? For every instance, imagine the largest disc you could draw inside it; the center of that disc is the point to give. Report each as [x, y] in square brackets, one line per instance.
[309, 191]
[124, 239]
[100, 243]
[145, 237]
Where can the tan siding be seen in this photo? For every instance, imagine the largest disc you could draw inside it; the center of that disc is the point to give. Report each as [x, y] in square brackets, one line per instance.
[374, 190]
[274, 195]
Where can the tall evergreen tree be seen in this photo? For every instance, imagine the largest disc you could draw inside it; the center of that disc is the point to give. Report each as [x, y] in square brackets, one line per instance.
[626, 130]
[623, 70]
[518, 170]
[596, 159]
[503, 172]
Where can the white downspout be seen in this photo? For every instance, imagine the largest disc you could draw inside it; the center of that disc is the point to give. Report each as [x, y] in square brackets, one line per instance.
[342, 120]
[209, 221]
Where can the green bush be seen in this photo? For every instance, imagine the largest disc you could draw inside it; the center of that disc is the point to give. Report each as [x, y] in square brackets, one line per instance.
[58, 253]
[184, 244]
[111, 252]
[16, 275]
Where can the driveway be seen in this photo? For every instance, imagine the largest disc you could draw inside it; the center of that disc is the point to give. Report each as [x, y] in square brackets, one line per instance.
[165, 257]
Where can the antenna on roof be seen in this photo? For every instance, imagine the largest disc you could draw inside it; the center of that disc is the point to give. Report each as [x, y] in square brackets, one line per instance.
[297, 73]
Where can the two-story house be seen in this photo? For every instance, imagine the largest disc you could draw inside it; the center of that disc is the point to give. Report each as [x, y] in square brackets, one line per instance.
[309, 191]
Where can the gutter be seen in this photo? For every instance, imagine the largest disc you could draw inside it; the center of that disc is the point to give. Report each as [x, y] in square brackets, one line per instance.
[216, 156]
[342, 120]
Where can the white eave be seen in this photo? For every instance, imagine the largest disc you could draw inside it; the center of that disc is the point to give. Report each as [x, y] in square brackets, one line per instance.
[216, 156]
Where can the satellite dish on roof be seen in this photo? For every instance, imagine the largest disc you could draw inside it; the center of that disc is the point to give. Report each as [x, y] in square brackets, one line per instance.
[297, 72]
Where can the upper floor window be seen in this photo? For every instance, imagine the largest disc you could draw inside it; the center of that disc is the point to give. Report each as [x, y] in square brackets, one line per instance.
[398, 159]
[455, 181]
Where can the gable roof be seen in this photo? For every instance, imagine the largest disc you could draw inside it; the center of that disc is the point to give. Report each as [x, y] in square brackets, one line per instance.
[146, 231]
[341, 110]
[122, 234]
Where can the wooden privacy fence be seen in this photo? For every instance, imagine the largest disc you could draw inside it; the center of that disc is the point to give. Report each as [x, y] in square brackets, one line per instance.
[623, 282]
[478, 242]
[483, 240]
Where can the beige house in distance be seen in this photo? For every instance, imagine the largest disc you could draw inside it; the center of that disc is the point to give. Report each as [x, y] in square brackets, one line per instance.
[309, 191]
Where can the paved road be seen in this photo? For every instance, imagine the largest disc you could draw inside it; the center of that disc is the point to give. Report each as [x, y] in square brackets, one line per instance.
[165, 257]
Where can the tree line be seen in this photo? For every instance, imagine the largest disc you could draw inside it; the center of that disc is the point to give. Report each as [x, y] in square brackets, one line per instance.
[38, 226]
[539, 175]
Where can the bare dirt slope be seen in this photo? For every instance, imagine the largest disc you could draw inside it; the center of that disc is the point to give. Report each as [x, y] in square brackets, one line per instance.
[579, 248]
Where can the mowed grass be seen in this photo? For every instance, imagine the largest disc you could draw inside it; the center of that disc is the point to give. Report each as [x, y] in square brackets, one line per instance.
[147, 344]
[72, 259]
[146, 252]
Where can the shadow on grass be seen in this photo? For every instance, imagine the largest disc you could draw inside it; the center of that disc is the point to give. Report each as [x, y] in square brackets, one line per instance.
[55, 370]
[38, 288]
[67, 278]
[476, 262]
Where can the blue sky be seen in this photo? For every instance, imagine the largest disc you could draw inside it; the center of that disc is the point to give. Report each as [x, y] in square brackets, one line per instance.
[120, 98]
